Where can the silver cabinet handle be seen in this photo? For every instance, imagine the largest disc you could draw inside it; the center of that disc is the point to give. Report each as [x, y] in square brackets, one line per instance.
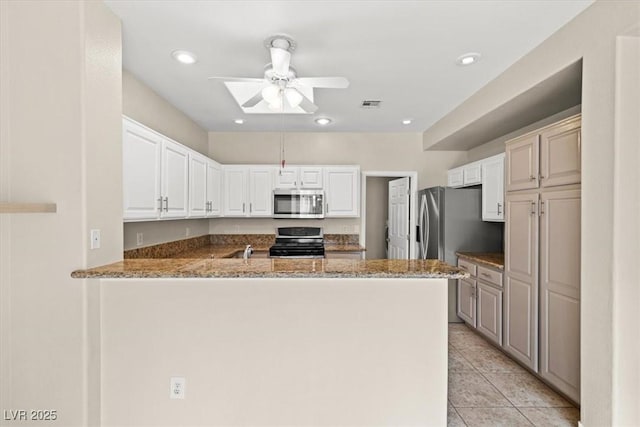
[499, 206]
[242, 207]
[533, 208]
[160, 207]
[542, 207]
[295, 183]
[250, 207]
[485, 274]
[301, 183]
[166, 204]
[531, 178]
[541, 176]
[463, 267]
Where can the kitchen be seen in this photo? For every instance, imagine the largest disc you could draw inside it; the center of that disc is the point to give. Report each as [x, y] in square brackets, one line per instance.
[97, 206]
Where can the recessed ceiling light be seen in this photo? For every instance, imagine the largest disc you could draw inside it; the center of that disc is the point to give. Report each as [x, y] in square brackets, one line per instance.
[323, 121]
[406, 122]
[184, 56]
[238, 121]
[468, 58]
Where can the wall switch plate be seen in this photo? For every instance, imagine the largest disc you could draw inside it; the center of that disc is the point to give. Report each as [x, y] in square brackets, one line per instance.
[139, 239]
[95, 239]
[176, 388]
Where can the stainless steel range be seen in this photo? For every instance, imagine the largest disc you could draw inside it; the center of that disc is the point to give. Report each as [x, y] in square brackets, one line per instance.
[298, 242]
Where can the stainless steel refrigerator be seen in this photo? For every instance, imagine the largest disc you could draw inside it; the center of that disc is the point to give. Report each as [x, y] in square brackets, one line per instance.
[450, 220]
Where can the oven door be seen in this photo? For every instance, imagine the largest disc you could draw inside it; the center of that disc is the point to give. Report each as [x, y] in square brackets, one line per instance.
[298, 204]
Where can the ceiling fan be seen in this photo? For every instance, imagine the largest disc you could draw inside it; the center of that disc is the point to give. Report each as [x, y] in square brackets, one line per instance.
[280, 90]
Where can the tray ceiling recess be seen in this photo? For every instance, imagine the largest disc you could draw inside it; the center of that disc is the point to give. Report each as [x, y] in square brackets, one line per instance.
[557, 93]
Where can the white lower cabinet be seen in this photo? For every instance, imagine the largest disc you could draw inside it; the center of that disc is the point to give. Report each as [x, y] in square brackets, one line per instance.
[480, 299]
[467, 301]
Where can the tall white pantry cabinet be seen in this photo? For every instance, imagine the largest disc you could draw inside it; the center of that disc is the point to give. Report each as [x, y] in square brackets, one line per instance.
[542, 253]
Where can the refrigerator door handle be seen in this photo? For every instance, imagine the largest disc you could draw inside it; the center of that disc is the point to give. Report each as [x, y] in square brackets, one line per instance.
[425, 233]
[423, 213]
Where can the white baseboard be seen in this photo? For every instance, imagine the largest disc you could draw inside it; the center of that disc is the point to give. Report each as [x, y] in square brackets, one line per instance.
[580, 424]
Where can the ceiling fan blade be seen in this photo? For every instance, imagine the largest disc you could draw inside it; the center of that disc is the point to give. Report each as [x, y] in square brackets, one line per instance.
[307, 105]
[237, 79]
[324, 82]
[253, 101]
[280, 59]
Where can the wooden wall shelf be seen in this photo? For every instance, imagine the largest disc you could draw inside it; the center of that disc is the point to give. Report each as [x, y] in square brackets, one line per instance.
[17, 207]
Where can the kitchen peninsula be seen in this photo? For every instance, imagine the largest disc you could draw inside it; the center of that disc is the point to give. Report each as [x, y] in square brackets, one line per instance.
[275, 341]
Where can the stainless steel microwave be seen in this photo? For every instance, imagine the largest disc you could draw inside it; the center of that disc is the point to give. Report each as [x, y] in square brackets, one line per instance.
[298, 204]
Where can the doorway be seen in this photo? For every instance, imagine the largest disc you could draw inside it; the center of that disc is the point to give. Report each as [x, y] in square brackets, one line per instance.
[375, 208]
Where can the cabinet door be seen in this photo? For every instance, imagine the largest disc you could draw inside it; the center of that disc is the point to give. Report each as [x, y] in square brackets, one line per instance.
[235, 191]
[287, 177]
[214, 189]
[472, 174]
[198, 204]
[493, 189]
[560, 154]
[175, 180]
[141, 154]
[489, 318]
[342, 191]
[522, 163]
[521, 278]
[560, 290]
[261, 192]
[310, 178]
[467, 301]
[455, 177]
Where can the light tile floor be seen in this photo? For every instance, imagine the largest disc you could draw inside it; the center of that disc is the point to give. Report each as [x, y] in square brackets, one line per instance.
[486, 388]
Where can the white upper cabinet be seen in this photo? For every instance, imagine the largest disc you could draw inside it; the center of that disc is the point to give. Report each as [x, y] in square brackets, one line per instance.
[261, 191]
[236, 179]
[342, 191]
[214, 189]
[311, 177]
[141, 152]
[546, 158]
[455, 177]
[248, 191]
[493, 188]
[301, 177]
[472, 174]
[175, 180]
[198, 203]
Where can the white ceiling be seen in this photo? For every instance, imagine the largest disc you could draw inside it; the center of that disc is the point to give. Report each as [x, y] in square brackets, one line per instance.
[400, 52]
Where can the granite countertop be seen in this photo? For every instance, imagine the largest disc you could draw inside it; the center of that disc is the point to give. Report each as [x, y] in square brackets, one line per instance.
[492, 259]
[272, 268]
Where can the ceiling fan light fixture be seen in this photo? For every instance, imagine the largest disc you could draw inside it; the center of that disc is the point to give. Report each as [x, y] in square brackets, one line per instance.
[294, 98]
[184, 56]
[271, 93]
[276, 104]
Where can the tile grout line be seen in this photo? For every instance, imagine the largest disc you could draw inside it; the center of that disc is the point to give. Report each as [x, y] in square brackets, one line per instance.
[527, 418]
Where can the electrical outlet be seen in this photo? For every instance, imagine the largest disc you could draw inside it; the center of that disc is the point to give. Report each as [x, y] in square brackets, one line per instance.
[177, 388]
[139, 239]
[95, 239]
[187, 232]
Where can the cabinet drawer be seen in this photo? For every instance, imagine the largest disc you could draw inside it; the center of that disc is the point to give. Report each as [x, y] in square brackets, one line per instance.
[490, 276]
[467, 266]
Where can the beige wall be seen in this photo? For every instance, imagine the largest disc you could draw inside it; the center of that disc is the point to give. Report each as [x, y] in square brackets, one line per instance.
[297, 352]
[372, 151]
[142, 104]
[60, 74]
[592, 37]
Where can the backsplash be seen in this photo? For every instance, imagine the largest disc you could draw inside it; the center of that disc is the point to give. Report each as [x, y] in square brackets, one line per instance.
[164, 250]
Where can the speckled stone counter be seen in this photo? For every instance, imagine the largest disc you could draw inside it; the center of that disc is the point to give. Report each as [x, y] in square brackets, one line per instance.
[273, 268]
[492, 259]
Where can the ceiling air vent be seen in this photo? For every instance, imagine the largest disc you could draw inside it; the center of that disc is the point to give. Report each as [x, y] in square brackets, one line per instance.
[370, 104]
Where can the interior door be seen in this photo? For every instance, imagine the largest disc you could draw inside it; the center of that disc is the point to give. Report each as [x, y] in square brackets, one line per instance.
[398, 240]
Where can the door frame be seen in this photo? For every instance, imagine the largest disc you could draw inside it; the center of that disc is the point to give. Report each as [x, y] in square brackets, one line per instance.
[413, 189]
